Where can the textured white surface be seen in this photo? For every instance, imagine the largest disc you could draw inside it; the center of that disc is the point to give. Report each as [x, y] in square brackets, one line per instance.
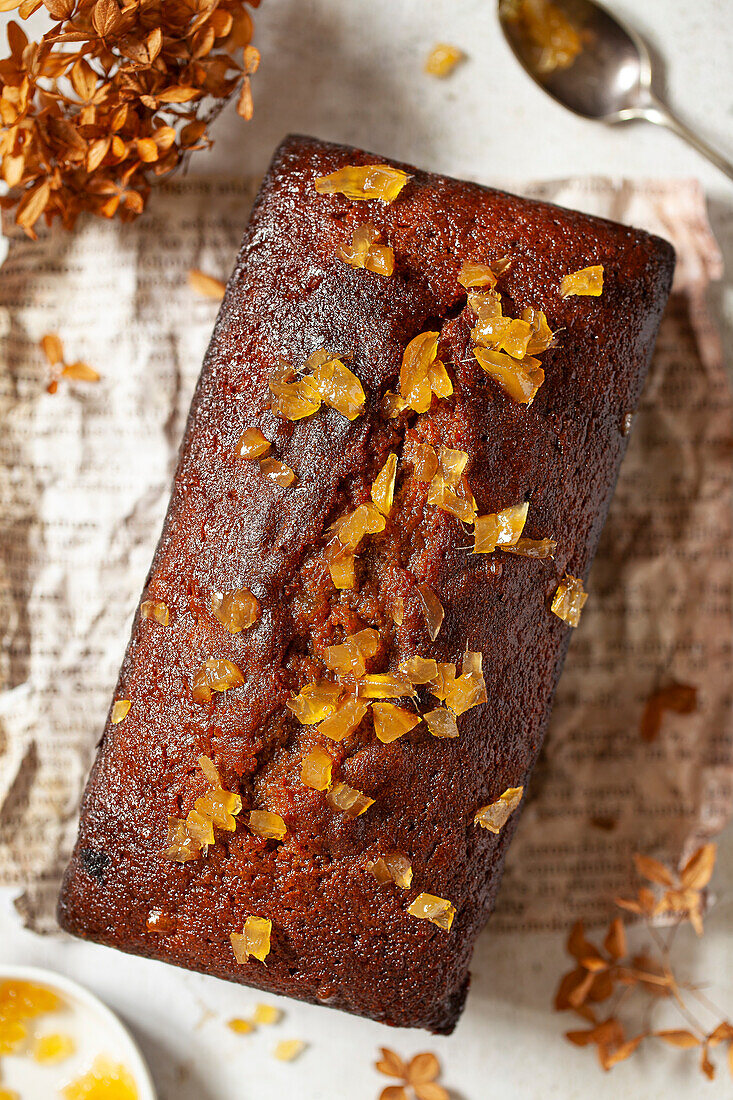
[350, 70]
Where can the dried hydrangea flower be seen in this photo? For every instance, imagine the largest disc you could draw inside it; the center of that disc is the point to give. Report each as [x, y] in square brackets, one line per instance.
[391, 722]
[432, 908]
[348, 800]
[520, 380]
[587, 281]
[364, 181]
[267, 825]
[316, 768]
[364, 252]
[392, 867]
[569, 600]
[252, 444]
[254, 940]
[500, 528]
[120, 710]
[383, 485]
[496, 814]
[442, 59]
[236, 609]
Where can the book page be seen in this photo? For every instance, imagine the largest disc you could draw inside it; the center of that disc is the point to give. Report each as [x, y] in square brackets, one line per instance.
[84, 482]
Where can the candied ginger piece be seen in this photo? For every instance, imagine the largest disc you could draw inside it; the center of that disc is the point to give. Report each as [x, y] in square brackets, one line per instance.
[341, 565]
[292, 400]
[426, 462]
[542, 336]
[384, 685]
[240, 1026]
[216, 674]
[439, 379]
[441, 495]
[210, 770]
[315, 701]
[364, 520]
[367, 641]
[391, 722]
[515, 338]
[392, 405]
[345, 720]
[345, 659]
[490, 319]
[417, 358]
[236, 609]
[348, 801]
[519, 379]
[162, 923]
[106, 1080]
[532, 548]
[588, 281]
[181, 847]
[254, 940]
[569, 600]
[287, 1050]
[473, 274]
[500, 528]
[432, 908]
[120, 711]
[420, 670]
[553, 39]
[156, 610]
[52, 1049]
[267, 825]
[452, 464]
[316, 768]
[398, 611]
[221, 807]
[469, 689]
[200, 829]
[441, 722]
[364, 181]
[252, 444]
[496, 814]
[392, 867]
[442, 59]
[432, 610]
[365, 252]
[267, 1014]
[383, 485]
[446, 675]
[278, 472]
[339, 388]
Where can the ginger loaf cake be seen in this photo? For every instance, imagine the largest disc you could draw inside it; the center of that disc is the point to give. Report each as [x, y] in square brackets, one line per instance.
[396, 468]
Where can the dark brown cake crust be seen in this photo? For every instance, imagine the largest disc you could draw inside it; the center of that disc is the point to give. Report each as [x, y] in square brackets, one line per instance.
[337, 937]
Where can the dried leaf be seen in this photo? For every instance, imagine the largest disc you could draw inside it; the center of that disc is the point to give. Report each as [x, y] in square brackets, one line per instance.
[653, 870]
[621, 1052]
[81, 372]
[52, 348]
[206, 285]
[706, 1065]
[105, 17]
[698, 870]
[423, 1067]
[430, 1090]
[245, 106]
[394, 1092]
[722, 1033]
[678, 1037]
[32, 205]
[615, 941]
[391, 1064]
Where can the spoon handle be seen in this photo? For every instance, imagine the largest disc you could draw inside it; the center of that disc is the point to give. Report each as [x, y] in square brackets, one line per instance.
[658, 113]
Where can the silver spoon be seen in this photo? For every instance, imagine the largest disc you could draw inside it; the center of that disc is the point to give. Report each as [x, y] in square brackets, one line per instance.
[606, 75]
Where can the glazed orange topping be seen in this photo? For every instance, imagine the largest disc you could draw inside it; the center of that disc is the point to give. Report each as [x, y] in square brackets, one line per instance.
[520, 380]
[417, 358]
[442, 59]
[429, 907]
[216, 674]
[364, 181]
[364, 252]
[315, 701]
[338, 387]
[364, 520]
[500, 528]
[384, 685]
[496, 814]
[420, 670]
[267, 825]
[432, 610]
[278, 472]
[252, 444]
[391, 722]
[106, 1080]
[588, 281]
[254, 940]
[348, 801]
[315, 770]
[155, 609]
[236, 609]
[569, 600]
[383, 486]
[21, 1001]
[441, 722]
[120, 711]
[53, 1048]
[474, 274]
[392, 867]
[532, 548]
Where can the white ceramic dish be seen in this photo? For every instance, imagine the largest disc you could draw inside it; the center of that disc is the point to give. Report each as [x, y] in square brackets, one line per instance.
[94, 1028]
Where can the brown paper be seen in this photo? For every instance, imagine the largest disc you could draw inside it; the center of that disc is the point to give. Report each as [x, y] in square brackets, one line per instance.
[84, 481]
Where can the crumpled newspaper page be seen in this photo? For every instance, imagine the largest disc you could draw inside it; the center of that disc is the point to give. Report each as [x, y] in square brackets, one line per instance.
[84, 482]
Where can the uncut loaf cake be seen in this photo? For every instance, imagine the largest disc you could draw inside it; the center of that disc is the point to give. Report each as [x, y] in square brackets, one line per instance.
[396, 468]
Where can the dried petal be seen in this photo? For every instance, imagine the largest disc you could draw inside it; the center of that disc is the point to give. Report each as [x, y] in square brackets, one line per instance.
[384, 685]
[240, 1027]
[278, 472]
[363, 252]
[417, 358]
[496, 814]
[696, 873]
[267, 1014]
[364, 520]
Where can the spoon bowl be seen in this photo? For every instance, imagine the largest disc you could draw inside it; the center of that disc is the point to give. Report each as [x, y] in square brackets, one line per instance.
[591, 63]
